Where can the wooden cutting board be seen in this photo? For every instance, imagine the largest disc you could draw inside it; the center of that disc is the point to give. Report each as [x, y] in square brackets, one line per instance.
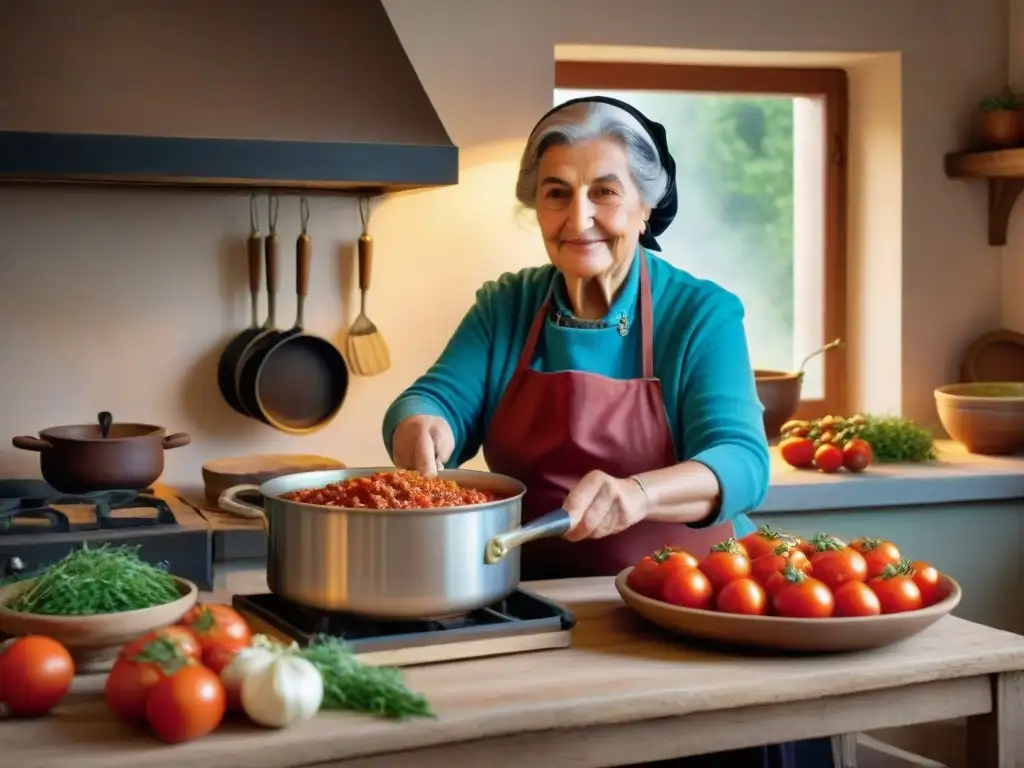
[256, 469]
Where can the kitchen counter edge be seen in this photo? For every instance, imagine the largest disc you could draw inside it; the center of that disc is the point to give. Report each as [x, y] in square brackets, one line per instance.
[955, 477]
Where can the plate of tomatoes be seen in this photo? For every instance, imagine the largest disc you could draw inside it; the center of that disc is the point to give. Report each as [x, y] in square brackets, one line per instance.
[777, 591]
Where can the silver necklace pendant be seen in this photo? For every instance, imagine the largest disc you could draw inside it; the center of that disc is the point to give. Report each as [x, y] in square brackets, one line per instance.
[623, 324]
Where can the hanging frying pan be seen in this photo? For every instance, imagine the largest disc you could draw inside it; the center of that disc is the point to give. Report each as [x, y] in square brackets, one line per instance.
[268, 331]
[233, 352]
[296, 382]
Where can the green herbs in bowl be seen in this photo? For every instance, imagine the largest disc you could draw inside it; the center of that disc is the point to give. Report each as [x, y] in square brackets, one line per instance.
[97, 580]
[93, 602]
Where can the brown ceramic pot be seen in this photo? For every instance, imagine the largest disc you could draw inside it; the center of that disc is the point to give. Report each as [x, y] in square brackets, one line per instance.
[1000, 127]
[779, 393]
[105, 456]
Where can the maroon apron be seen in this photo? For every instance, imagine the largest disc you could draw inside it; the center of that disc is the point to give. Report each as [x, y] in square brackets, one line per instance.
[551, 429]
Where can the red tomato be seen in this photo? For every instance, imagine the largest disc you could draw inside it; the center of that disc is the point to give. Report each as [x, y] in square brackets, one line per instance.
[128, 686]
[674, 560]
[803, 597]
[216, 657]
[35, 675]
[216, 624]
[927, 579]
[896, 590]
[725, 562]
[144, 663]
[878, 553]
[797, 451]
[763, 568]
[835, 567]
[855, 598]
[648, 576]
[688, 588]
[828, 458]
[175, 636]
[186, 705]
[857, 455]
[764, 541]
[743, 596]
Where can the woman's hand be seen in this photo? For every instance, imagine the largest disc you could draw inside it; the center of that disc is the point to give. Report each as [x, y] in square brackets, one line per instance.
[422, 443]
[601, 505]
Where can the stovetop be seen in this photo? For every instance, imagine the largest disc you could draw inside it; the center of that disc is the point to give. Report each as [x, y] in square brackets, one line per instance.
[508, 624]
[30, 507]
[40, 525]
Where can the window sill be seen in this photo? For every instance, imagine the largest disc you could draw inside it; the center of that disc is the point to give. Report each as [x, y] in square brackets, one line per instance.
[956, 476]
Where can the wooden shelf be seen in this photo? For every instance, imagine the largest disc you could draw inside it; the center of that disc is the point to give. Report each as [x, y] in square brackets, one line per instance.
[1004, 171]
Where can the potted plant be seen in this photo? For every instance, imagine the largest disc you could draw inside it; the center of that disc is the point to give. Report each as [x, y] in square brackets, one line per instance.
[1000, 123]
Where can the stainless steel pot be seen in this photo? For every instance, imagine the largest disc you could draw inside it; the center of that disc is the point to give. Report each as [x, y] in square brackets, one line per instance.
[407, 563]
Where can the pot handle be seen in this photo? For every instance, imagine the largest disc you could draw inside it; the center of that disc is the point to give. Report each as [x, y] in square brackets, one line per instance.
[177, 440]
[27, 443]
[229, 502]
[552, 524]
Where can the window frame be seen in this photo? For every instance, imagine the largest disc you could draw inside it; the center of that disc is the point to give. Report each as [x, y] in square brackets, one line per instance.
[831, 85]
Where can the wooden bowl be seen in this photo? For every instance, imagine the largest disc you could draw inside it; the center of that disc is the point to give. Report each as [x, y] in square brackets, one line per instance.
[93, 641]
[779, 393]
[985, 417]
[781, 634]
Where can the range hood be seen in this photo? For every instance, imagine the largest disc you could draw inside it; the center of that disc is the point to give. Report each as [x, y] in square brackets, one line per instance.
[303, 95]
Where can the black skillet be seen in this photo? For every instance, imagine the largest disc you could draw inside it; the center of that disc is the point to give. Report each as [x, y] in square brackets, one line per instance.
[236, 348]
[295, 382]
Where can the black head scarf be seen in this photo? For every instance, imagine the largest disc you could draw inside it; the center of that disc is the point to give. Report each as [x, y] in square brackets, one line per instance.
[665, 211]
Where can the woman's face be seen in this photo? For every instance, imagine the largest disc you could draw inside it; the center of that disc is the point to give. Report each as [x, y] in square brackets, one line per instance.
[589, 209]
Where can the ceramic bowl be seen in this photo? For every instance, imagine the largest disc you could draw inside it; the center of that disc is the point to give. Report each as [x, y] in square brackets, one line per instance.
[93, 641]
[985, 417]
[782, 634]
[779, 393]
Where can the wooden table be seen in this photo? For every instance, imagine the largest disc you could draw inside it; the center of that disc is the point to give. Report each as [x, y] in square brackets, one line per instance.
[624, 693]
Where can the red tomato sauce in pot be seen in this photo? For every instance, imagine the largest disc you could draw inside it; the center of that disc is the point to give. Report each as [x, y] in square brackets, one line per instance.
[392, 490]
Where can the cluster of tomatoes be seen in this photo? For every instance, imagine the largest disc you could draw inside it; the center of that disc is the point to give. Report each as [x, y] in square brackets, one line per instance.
[169, 679]
[828, 444]
[804, 453]
[772, 573]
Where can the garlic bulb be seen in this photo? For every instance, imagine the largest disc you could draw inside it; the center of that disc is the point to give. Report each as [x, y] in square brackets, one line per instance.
[247, 661]
[287, 690]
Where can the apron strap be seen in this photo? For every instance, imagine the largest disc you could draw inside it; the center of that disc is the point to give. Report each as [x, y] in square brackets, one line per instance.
[646, 318]
[646, 324]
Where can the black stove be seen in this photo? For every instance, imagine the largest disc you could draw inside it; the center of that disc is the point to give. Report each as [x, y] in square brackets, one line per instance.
[34, 533]
[521, 622]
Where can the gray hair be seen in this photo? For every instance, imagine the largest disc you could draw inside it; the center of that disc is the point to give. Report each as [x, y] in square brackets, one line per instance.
[585, 121]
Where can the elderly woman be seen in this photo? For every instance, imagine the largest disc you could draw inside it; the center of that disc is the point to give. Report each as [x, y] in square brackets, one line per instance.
[609, 382]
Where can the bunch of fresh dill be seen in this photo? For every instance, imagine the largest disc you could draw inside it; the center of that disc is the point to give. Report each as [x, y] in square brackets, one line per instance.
[349, 684]
[95, 580]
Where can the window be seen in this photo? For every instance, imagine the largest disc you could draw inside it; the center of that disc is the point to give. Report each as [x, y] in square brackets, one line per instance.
[760, 155]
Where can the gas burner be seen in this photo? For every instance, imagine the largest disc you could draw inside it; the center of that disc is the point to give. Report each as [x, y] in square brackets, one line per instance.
[521, 622]
[39, 526]
[104, 503]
